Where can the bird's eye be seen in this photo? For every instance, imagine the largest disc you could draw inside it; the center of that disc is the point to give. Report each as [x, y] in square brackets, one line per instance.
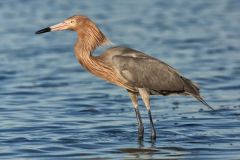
[72, 21]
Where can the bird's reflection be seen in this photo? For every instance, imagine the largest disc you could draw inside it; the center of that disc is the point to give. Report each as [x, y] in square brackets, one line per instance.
[141, 151]
[141, 143]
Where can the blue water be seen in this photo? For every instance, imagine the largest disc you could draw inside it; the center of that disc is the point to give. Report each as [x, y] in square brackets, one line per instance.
[52, 109]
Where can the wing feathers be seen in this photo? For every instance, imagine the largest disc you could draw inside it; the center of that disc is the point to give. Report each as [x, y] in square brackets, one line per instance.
[155, 75]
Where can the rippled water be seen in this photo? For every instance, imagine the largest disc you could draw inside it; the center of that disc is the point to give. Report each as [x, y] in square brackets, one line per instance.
[52, 109]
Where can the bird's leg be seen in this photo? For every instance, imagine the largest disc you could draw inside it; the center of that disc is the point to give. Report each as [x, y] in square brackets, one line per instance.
[140, 124]
[153, 134]
[146, 99]
[139, 119]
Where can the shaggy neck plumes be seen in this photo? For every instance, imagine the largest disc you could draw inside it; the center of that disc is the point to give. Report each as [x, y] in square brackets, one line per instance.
[90, 37]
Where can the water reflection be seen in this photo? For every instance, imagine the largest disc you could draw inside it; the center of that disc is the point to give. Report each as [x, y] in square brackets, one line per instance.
[152, 152]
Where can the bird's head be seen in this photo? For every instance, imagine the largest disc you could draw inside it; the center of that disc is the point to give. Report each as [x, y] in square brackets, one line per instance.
[75, 23]
[88, 32]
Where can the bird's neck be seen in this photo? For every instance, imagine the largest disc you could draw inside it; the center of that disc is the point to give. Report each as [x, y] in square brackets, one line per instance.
[88, 40]
[95, 64]
[83, 54]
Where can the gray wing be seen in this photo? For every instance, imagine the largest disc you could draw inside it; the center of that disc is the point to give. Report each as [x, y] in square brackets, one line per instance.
[144, 71]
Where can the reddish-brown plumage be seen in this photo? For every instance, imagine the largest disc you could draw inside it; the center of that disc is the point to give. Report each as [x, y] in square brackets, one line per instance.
[125, 67]
[89, 38]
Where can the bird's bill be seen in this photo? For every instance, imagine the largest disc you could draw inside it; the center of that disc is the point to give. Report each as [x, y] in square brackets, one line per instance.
[57, 27]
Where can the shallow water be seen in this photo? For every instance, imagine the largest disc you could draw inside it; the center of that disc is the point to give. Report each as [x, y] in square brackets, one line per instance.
[52, 109]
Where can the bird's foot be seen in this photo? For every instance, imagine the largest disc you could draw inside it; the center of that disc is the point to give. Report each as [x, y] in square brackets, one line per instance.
[153, 134]
[153, 137]
[140, 137]
[140, 132]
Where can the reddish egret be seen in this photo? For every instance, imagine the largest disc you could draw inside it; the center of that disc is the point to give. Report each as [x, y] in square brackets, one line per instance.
[135, 71]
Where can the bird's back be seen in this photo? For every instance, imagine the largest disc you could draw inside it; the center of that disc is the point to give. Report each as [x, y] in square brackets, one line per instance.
[143, 71]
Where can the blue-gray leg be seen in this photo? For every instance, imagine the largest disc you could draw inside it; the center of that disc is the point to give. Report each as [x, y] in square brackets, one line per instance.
[138, 115]
[140, 124]
[153, 133]
[146, 99]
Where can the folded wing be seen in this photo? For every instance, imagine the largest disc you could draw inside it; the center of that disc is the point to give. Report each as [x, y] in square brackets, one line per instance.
[143, 71]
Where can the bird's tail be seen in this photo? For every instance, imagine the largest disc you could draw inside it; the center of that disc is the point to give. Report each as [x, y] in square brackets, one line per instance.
[193, 90]
[199, 98]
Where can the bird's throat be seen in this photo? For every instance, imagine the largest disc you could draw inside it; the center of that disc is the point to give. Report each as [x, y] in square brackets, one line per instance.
[88, 61]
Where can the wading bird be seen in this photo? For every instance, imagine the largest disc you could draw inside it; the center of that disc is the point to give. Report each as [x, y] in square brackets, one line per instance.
[135, 71]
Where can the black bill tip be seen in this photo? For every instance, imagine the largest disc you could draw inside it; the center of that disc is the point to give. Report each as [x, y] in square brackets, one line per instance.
[48, 29]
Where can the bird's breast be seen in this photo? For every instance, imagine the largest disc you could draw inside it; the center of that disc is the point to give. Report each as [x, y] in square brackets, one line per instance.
[106, 72]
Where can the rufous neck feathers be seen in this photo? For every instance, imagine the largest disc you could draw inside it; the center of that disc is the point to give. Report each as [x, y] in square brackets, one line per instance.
[90, 37]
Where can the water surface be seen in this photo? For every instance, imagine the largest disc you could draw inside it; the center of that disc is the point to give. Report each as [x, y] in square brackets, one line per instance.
[52, 109]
